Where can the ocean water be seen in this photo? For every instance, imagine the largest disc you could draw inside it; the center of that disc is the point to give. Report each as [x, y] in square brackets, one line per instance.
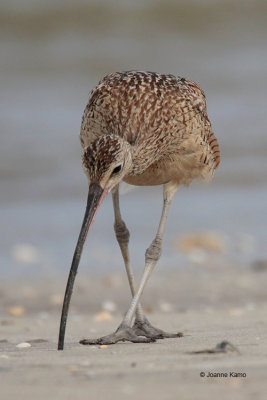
[53, 53]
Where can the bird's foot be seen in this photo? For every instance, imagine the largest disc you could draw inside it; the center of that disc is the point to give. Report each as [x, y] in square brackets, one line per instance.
[142, 327]
[124, 333]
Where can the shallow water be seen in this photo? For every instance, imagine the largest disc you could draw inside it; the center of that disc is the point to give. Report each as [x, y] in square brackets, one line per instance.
[54, 54]
[52, 228]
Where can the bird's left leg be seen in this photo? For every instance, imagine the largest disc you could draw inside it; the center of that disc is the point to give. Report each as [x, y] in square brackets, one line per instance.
[141, 325]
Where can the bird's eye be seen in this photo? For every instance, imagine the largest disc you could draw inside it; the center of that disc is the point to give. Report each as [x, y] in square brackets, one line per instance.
[116, 169]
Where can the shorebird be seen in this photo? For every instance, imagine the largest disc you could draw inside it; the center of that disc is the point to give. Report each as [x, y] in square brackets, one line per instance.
[143, 128]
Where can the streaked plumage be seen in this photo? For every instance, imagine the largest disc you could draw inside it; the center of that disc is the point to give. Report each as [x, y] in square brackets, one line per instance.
[146, 129]
[163, 118]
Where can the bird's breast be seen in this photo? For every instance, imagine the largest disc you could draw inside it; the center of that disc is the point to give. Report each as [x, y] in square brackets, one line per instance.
[147, 178]
[178, 168]
[156, 174]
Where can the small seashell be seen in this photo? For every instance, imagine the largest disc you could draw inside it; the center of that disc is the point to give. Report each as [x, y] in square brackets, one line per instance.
[23, 345]
[16, 311]
[4, 356]
[103, 346]
[103, 316]
[109, 305]
[166, 307]
[207, 241]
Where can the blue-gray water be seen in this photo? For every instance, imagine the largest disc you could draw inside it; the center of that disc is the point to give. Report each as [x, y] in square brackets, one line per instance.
[52, 53]
[52, 228]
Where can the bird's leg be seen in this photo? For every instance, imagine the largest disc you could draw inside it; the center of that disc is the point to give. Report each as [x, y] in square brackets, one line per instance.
[123, 235]
[142, 331]
[125, 333]
[141, 325]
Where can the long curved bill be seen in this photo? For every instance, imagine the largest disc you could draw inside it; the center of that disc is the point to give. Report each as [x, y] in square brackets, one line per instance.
[95, 197]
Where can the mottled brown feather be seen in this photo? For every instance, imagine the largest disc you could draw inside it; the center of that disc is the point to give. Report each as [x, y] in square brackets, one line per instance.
[163, 117]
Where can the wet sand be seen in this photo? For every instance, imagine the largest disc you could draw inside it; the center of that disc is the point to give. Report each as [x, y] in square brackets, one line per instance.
[208, 305]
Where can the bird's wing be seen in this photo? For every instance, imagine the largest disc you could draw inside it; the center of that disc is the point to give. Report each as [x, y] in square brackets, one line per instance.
[149, 108]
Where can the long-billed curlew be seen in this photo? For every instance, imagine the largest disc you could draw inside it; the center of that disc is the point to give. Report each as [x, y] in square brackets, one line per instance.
[143, 128]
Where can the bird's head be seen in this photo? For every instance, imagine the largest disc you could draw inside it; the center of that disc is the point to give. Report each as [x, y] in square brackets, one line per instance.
[107, 160]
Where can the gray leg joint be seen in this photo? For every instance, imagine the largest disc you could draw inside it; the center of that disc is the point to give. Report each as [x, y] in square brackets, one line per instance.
[122, 233]
[153, 253]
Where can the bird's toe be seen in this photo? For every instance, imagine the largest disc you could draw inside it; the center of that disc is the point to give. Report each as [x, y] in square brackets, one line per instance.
[121, 335]
[144, 328]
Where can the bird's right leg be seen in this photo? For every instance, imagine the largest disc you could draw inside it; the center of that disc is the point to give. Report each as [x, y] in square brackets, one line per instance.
[123, 235]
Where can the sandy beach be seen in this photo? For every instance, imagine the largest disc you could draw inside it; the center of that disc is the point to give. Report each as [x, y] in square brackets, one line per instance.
[53, 55]
[209, 308]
